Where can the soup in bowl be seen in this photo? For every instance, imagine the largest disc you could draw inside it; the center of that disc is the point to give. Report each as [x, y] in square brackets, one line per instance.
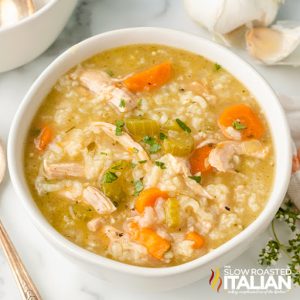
[152, 155]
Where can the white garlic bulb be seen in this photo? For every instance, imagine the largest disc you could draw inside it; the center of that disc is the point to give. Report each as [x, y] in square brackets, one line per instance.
[224, 16]
[279, 44]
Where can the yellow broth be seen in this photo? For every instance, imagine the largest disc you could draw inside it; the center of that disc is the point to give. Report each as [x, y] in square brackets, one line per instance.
[70, 106]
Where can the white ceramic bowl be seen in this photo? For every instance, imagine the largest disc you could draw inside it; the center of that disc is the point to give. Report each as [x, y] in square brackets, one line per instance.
[31, 36]
[123, 274]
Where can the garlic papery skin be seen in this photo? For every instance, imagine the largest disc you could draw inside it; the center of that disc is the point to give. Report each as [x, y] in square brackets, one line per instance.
[224, 16]
[279, 44]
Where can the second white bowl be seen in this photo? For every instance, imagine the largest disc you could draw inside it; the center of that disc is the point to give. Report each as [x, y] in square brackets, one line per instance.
[27, 39]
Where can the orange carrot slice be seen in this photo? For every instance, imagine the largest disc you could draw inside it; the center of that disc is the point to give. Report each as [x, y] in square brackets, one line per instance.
[155, 244]
[149, 79]
[242, 118]
[44, 138]
[148, 197]
[196, 238]
[199, 160]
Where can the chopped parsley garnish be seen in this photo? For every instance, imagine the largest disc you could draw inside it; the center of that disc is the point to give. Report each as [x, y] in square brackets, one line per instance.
[238, 125]
[103, 153]
[162, 136]
[122, 103]
[183, 126]
[109, 177]
[133, 165]
[161, 164]
[142, 161]
[119, 127]
[196, 178]
[139, 102]
[110, 73]
[138, 187]
[217, 67]
[154, 146]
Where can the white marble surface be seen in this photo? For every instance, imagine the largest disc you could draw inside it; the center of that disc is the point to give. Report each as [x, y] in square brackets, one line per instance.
[55, 277]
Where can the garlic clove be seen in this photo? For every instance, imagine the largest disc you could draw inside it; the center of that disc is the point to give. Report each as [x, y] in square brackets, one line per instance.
[204, 12]
[264, 43]
[279, 44]
[224, 16]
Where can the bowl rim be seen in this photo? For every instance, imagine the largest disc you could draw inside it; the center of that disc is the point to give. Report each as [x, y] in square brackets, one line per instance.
[30, 18]
[82, 254]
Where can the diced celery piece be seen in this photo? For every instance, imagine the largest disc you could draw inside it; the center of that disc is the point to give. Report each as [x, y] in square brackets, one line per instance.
[172, 212]
[142, 127]
[116, 188]
[180, 144]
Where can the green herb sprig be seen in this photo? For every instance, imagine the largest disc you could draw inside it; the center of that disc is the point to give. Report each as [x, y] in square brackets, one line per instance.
[289, 214]
[238, 125]
[271, 253]
[160, 164]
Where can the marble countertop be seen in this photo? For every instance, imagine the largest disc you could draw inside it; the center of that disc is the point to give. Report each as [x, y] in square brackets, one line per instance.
[56, 277]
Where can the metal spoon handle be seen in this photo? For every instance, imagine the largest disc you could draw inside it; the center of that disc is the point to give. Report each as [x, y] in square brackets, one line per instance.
[27, 287]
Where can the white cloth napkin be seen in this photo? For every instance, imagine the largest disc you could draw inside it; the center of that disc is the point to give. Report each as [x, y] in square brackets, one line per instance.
[292, 109]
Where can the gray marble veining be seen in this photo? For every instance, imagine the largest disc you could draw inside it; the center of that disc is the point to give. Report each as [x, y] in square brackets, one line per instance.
[77, 29]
